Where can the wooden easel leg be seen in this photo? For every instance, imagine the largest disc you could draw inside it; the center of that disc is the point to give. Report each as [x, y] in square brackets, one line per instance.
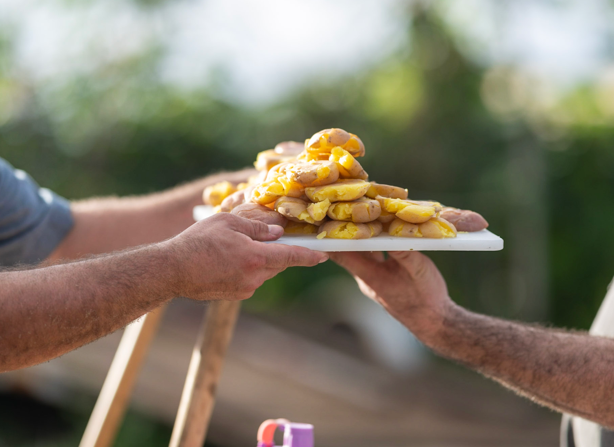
[198, 395]
[115, 394]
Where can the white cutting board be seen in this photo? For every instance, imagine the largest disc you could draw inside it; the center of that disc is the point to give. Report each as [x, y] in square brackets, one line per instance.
[479, 241]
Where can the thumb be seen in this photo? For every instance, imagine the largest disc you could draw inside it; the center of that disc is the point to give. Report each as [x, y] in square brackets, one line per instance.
[256, 230]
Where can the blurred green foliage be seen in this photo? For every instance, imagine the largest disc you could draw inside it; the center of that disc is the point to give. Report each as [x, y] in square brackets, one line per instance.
[544, 182]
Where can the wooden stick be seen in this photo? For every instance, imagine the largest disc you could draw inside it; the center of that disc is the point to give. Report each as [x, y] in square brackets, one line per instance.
[115, 393]
[198, 395]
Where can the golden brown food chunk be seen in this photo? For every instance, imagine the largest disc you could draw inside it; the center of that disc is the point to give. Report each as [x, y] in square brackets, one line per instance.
[386, 217]
[300, 228]
[464, 220]
[258, 212]
[267, 192]
[407, 210]
[277, 171]
[348, 166]
[325, 140]
[400, 228]
[266, 160]
[341, 191]
[289, 148]
[295, 210]
[438, 207]
[437, 228]
[349, 230]
[359, 211]
[416, 213]
[214, 195]
[291, 189]
[316, 173]
[377, 189]
[318, 210]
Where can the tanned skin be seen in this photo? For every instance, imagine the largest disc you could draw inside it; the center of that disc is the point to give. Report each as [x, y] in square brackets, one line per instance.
[108, 224]
[48, 311]
[568, 372]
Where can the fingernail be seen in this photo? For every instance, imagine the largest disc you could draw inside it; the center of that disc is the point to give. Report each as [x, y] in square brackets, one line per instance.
[324, 259]
[276, 230]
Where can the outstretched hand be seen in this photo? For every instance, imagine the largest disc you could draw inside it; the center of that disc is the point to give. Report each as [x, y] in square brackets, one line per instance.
[224, 257]
[407, 284]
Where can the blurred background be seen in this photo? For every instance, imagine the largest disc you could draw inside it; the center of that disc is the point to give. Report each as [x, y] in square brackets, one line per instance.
[503, 107]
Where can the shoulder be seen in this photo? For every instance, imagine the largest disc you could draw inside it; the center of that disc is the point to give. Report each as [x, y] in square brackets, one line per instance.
[33, 220]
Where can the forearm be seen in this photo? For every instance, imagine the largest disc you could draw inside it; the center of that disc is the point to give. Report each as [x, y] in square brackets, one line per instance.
[109, 224]
[569, 372]
[49, 311]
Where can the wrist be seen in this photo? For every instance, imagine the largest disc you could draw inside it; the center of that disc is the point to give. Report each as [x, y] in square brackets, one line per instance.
[170, 275]
[431, 322]
[449, 330]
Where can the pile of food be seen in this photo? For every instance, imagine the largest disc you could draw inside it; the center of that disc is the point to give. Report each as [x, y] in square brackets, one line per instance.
[320, 188]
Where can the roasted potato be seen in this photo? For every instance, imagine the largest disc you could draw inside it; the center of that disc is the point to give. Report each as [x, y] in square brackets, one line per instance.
[385, 217]
[262, 213]
[359, 211]
[300, 228]
[267, 192]
[464, 220]
[407, 210]
[291, 189]
[316, 173]
[416, 213]
[377, 189]
[341, 191]
[268, 159]
[214, 195]
[318, 210]
[400, 228]
[437, 228]
[335, 229]
[348, 166]
[279, 174]
[325, 140]
[295, 210]
[289, 148]
[438, 207]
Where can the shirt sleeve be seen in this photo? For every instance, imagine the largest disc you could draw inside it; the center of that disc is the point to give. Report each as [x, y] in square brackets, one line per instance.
[33, 220]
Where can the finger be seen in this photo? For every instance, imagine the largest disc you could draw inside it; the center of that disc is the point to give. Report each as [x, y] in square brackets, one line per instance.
[254, 229]
[281, 256]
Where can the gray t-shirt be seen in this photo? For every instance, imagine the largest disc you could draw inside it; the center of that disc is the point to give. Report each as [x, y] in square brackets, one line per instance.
[33, 220]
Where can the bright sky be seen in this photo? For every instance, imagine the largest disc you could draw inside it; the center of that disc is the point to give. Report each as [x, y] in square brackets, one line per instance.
[266, 48]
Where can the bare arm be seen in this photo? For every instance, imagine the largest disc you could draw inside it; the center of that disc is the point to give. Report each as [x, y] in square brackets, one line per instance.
[569, 372]
[49, 311]
[108, 224]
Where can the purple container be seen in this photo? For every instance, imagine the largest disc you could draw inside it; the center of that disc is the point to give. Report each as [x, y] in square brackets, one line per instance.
[295, 434]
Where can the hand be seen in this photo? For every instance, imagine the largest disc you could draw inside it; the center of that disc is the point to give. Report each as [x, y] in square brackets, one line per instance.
[224, 257]
[407, 284]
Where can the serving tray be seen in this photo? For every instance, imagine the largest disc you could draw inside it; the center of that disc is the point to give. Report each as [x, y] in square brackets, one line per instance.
[479, 241]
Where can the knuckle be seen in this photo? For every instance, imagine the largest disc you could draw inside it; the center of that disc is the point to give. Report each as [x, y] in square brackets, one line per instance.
[224, 220]
[254, 261]
[258, 226]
